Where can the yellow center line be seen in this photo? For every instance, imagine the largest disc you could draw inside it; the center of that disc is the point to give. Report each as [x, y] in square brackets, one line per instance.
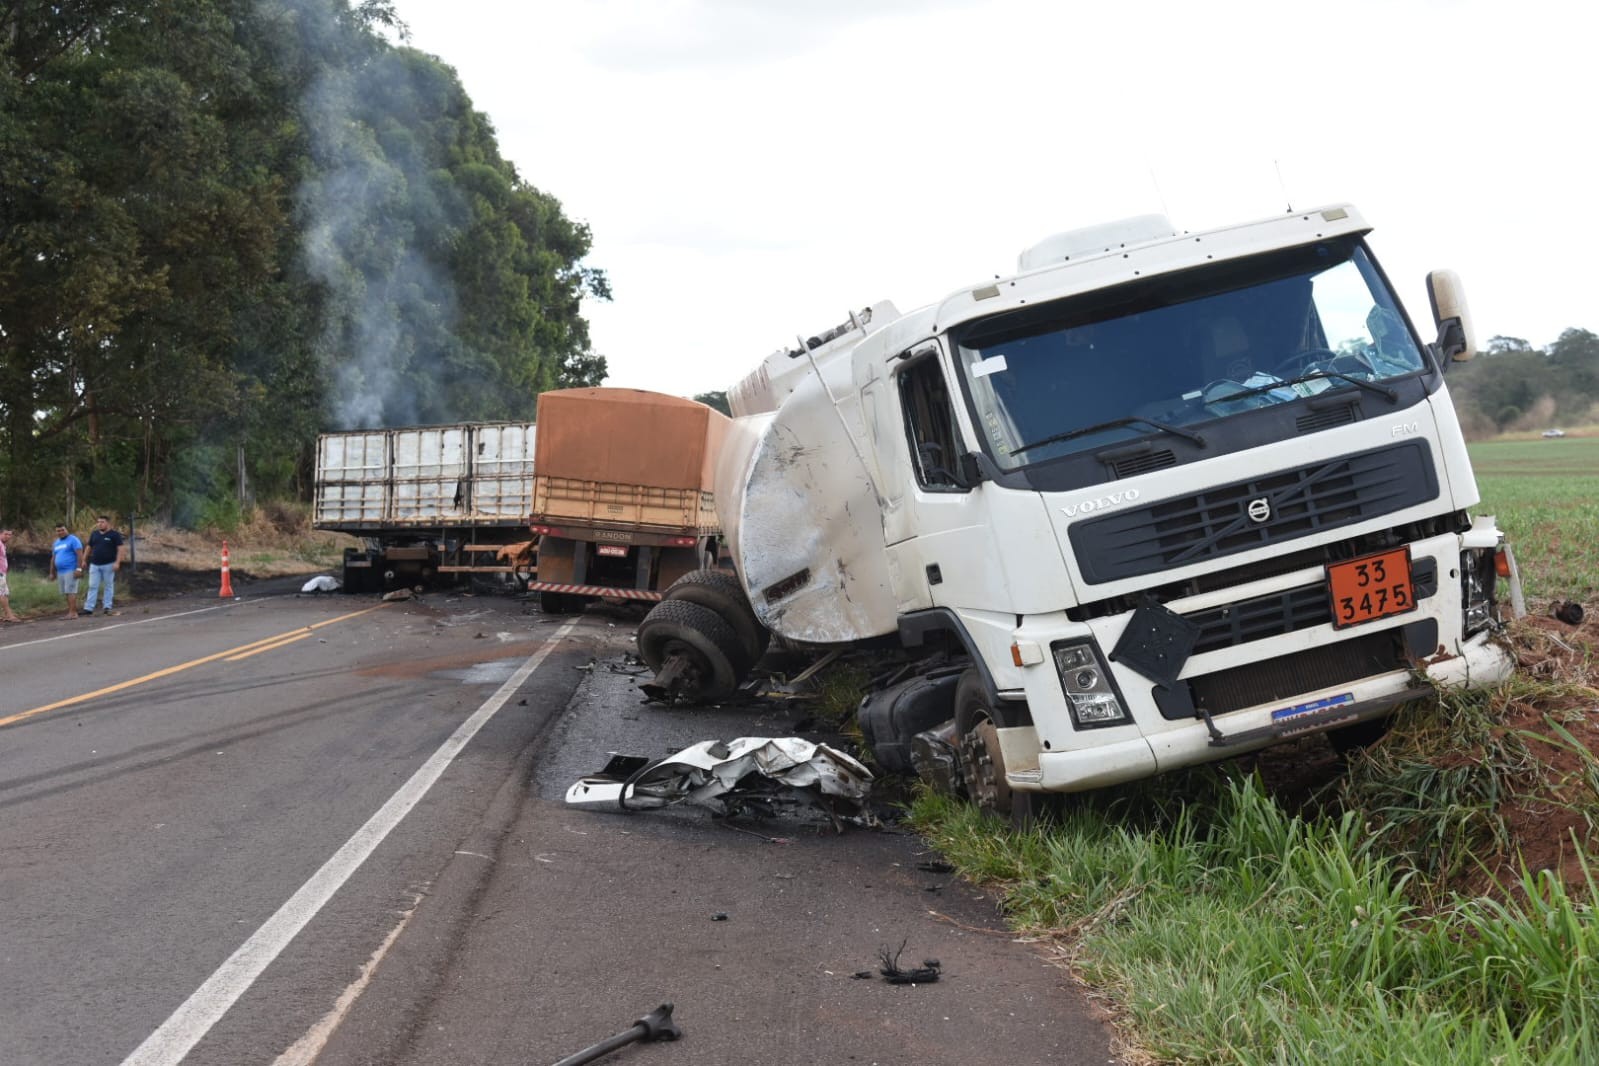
[282, 642]
[243, 650]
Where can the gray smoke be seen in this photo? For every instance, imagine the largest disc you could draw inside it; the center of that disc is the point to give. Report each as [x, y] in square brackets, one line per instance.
[367, 214]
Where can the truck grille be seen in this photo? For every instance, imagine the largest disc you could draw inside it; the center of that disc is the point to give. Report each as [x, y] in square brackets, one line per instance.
[1283, 678]
[1217, 522]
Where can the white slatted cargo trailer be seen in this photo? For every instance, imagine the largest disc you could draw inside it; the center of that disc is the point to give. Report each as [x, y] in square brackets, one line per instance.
[427, 500]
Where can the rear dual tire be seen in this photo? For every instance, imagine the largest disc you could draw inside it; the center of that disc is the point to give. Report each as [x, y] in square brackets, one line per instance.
[721, 592]
[716, 656]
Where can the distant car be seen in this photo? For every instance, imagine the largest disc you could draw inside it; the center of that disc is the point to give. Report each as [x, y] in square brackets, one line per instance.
[1554, 433]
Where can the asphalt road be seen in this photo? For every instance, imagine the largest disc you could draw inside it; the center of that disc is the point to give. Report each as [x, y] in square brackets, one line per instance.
[319, 829]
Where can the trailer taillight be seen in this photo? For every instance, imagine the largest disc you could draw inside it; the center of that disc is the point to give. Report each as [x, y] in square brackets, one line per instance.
[545, 531]
[684, 542]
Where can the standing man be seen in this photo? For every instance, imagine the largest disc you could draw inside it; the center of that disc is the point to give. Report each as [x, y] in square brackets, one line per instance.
[5, 588]
[66, 563]
[105, 559]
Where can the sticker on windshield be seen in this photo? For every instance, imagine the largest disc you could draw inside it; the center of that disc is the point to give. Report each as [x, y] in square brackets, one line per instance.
[992, 365]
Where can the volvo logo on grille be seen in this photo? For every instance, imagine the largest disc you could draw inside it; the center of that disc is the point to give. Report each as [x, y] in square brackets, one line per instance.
[1260, 510]
[1102, 503]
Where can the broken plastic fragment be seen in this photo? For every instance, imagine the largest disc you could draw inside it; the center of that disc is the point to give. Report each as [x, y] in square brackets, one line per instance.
[721, 775]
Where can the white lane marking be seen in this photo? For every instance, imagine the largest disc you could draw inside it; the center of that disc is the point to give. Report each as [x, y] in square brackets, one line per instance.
[304, 1051]
[205, 1007]
[107, 629]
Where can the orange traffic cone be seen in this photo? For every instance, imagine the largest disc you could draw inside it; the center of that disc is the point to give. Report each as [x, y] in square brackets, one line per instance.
[227, 581]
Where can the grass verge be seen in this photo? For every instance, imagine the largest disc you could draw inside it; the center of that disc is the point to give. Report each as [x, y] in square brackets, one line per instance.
[1231, 931]
[1433, 903]
[34, 594]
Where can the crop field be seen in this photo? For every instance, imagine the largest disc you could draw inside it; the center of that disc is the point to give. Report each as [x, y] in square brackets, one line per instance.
[1546, 496]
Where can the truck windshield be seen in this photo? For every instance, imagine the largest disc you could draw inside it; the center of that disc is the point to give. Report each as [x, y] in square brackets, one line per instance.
[1182, 349]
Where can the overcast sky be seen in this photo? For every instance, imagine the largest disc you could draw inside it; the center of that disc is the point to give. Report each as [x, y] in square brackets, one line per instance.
[753, 169]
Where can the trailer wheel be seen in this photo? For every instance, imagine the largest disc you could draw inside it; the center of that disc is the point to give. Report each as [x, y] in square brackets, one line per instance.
[707, 652]
[977, 722]
[721, 592]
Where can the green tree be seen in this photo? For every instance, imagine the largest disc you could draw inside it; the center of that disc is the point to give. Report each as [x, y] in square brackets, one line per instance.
[229, 223]
[715, 400]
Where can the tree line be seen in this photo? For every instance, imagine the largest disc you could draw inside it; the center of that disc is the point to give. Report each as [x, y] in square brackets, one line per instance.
[227, 225]
[1512, 385]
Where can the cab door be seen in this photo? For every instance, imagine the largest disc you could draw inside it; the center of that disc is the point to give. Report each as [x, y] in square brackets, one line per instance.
[955, 540]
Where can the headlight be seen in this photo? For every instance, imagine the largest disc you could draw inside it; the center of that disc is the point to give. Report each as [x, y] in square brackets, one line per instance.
[1477, 588]
[1092, 698]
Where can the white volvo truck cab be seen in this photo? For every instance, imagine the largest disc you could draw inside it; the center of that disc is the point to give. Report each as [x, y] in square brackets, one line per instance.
[1159, 498]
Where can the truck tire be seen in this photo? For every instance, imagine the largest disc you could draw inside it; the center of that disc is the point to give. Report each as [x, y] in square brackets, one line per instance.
[721, 592]
[716, 657]
[983, 764]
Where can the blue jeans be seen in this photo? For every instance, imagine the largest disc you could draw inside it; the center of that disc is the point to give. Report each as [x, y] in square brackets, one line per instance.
[102, 579]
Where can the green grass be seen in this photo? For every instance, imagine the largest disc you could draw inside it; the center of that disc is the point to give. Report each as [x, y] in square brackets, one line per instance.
[1545, 494]
[34, 594]
[1438, 791]
[1229, 931]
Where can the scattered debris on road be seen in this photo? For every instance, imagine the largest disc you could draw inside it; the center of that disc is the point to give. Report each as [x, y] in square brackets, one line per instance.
[321, 583]
[750, 774]
[925, 974]
[656, 1025]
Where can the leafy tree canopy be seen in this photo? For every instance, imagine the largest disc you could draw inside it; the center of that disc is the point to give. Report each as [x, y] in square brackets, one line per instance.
[230, 224]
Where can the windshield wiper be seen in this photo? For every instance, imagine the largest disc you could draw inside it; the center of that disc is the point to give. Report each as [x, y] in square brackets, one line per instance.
[1391, 395]
[1072, 434]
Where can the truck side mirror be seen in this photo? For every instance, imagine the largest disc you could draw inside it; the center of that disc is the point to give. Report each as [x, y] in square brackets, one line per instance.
[1456, 339]
[967, 473]
[968, 470]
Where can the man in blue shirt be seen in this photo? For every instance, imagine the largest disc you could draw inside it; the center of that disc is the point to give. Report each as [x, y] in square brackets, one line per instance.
[66, 563]
[105, 558]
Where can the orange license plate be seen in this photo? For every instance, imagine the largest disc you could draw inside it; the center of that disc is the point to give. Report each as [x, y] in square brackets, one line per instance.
[1371, 587]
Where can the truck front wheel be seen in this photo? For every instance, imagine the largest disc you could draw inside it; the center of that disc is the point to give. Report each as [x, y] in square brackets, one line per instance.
[977, 725]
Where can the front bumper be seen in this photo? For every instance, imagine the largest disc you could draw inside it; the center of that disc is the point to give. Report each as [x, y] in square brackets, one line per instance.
[1483, 659]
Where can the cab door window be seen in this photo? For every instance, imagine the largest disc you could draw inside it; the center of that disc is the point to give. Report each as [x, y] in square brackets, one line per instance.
[930, 424]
